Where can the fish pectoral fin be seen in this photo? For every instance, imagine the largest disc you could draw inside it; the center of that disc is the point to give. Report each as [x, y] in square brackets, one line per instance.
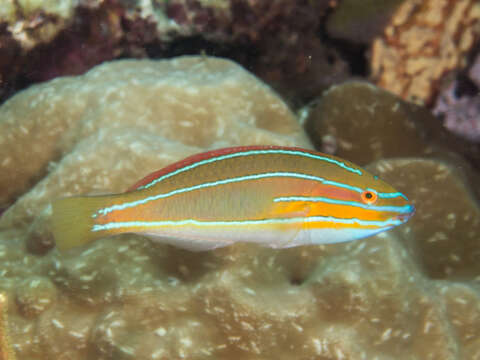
[189, 244]
[291, 232]
[293, 209]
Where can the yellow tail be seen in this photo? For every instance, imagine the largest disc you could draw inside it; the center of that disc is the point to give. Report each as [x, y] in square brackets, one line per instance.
[72, 221]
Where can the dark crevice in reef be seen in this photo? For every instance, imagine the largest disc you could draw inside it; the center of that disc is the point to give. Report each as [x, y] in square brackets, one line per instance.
[355, 54]
[194, 45]
[465, 86]
[296, 281]
[94, 38]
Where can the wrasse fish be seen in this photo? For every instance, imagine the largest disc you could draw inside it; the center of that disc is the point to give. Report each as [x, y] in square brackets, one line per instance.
[274, 196]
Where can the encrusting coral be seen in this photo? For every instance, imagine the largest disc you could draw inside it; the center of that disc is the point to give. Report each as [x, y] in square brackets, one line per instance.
[200, 102]
[41, 40]
[375, 124]
[460, 108]
[125, 297]
[6, 350]
[423, 42]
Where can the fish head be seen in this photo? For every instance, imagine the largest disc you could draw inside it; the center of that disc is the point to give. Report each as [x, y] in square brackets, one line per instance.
[357, 207]
[383, 203]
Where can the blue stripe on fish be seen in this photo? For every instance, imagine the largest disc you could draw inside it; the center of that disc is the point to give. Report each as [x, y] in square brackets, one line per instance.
[399, 209]
[126, 205]
[390, 195]
[252, 152]
[143, 224]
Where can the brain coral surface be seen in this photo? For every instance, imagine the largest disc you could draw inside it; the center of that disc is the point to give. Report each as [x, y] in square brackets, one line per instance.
[125, 297]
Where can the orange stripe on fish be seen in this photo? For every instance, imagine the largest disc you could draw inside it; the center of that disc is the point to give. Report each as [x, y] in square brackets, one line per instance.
[275, 196]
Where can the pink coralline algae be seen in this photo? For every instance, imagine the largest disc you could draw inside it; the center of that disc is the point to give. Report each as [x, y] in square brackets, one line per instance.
[53, 40]
[461, 108]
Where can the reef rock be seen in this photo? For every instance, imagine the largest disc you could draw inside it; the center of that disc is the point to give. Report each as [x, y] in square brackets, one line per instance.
[360, 21]
[423, 42]
[406, 294]
[459, 103]
[443, 239]
[121, 110]
[35, 22]
[6, 351]
[373, 124]
[41, 40]
[376, 124]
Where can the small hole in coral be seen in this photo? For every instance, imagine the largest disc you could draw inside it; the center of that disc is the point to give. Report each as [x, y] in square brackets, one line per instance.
[296, 281]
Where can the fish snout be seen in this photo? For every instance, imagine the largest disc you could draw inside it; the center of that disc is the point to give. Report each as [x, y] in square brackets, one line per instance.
[405, 216]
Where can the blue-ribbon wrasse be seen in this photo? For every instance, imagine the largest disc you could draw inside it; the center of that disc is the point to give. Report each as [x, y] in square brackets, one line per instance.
[274, 196]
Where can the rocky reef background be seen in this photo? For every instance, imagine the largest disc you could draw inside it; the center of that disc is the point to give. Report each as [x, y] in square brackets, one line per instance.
[96, 94]
[424, 51]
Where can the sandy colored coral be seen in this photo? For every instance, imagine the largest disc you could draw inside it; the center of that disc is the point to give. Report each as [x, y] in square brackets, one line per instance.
[423, 42]
[34, 296]
[126, 297]
[6, 350]
[443, 239]
[200, 102]
[376, 124]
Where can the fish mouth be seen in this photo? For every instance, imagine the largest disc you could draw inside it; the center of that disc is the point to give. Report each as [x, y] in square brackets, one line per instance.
[406, 215]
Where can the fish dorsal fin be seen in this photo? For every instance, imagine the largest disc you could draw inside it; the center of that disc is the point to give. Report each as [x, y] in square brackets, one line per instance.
[196, 158]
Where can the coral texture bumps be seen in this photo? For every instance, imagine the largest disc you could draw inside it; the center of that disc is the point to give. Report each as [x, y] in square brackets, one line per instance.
[407, 294]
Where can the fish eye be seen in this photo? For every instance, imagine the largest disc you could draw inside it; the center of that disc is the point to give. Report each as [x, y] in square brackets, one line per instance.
[369, 197]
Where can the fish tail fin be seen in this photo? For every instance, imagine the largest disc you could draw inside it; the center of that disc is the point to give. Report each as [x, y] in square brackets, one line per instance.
[72, 221]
